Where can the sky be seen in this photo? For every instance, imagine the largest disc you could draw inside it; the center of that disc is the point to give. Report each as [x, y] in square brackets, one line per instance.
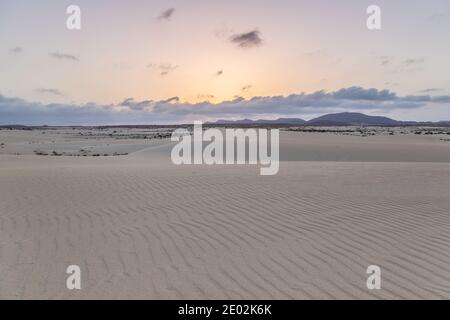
[155, 61]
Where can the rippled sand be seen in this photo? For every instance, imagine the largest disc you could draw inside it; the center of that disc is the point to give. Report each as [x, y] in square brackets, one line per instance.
[140, 227]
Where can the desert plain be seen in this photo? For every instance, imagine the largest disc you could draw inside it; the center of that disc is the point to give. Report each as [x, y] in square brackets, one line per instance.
[111, 201]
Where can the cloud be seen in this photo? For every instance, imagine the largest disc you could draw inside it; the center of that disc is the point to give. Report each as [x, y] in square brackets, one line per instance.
[64, 56]
[14, 110]
[163, 69]
[172, 110]
[427, 98]
[410, 62]
[248, 39]
[205, 96]
[246, 88]
[170, 100]
[358, 93]
[317, 54]
[16, 50]
[54, 92]
[409, 65]
[166, 14]
[385, 60]
[136, 105]
[429, 90]
[438, 18]
[219, 73]
[223, 32]
[322, 57]
[395, 65]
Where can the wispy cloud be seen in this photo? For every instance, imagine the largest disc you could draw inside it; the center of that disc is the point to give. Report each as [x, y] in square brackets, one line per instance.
[410, 65]
[223, 32]
[411, 62]
[323, 57]
[54, 92]
[163, 69]
[391, 84]
[64, 56]
[429, 90]
[317, 54]
[246, 88]
[247, 39]
[167, 14]
[439, 18]
[385, 60]
[205, 96]
[396, 65]
[16, 50]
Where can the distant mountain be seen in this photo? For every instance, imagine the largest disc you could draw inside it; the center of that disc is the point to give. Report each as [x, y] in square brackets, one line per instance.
[353, 118]
[335, 119]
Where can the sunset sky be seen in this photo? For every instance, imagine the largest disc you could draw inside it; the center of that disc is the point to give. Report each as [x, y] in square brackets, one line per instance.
[149, 61]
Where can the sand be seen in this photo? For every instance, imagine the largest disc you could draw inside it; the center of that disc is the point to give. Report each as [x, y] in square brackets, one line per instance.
[140, 227]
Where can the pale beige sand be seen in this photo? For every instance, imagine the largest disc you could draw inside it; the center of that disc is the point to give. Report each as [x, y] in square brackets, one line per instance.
[140, 227]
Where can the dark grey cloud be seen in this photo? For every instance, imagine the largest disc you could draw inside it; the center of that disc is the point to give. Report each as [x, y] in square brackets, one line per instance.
[170, 100]
[64, 56]
[129, 111]
[358, 93]
[166, 14]
[50, 91]
[248, 39]
[136, 105]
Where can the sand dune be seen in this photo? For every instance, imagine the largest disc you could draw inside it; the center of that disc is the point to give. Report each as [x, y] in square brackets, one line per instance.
[140, 227]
